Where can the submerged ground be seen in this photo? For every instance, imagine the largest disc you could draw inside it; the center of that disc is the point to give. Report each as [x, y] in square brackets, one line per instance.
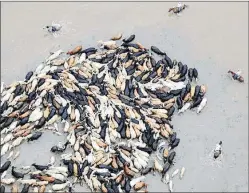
[212, 37]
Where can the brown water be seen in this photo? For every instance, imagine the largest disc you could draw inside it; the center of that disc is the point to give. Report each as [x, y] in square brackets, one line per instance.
[213, 37]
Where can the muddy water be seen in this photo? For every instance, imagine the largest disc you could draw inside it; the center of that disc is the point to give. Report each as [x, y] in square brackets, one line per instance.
[213, 37]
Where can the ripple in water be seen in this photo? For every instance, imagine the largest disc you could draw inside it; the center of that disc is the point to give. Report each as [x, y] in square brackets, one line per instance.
[209, 160]
[66, 29]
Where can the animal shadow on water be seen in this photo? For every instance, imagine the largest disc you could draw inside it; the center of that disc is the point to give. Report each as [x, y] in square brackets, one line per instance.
[177, 15]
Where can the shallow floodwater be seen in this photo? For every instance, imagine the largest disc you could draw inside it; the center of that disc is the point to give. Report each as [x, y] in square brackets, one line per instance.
[212, 37]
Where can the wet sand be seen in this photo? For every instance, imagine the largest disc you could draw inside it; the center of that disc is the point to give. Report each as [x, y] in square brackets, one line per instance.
[213, 37]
